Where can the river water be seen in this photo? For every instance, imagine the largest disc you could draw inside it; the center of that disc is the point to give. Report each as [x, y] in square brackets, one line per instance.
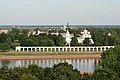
[84, 65]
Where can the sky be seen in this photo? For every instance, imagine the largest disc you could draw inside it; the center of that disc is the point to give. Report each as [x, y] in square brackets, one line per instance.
[45, 12]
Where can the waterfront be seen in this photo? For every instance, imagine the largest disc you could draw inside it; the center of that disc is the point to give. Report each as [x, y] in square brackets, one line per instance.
[84, 65]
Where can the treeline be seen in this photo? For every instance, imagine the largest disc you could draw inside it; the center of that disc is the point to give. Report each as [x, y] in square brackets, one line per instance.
[62, 71]
[19, 37]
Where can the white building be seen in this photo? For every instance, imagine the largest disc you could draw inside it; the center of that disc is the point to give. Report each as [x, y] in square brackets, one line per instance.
[4, 31]
[68, 37]
[55, 33]
[64, 28]
[83, 35]
[37, 32]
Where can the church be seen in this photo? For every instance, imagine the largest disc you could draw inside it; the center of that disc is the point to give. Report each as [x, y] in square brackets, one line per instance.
[84, 34]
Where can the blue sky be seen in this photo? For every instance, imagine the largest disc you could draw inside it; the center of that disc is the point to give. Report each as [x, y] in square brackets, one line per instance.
[59, 11]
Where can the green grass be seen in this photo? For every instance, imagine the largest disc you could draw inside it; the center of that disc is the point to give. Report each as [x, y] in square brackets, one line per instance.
[14, 53]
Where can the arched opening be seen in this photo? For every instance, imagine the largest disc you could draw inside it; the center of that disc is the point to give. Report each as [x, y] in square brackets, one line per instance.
[68, 49]
[107, 48]
[103, 49]
[60, 49]
[37, 49]
[49, 49]
[21, 49]
[64, 49]
[98, 49]
[80, 49]
[25, 49]
[29, 49]
[41, 49]
[53, 49]
[83, 49]
[87, 49]
[91, 49]
[45, 49]
[95, 49]
[56, 49]
[75, 49]
[71, 49]
[33, 49]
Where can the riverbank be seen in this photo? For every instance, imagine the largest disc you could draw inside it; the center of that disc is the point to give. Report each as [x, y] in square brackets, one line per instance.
[36, 57]
[14, 53]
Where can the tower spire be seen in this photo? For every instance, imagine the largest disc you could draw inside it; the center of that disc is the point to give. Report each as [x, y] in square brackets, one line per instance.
[67, 24]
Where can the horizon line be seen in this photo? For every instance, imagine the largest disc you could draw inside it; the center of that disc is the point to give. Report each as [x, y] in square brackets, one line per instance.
[50, 24]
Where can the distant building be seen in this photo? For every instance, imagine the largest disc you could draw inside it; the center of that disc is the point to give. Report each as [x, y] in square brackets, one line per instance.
[109, 34]
[37, 32]
[64, 28]
[83, 35]
[68, 37]
[4, 31]
[54, 33]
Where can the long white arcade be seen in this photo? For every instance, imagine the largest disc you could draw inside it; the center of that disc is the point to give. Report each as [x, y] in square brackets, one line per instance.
[63, 49]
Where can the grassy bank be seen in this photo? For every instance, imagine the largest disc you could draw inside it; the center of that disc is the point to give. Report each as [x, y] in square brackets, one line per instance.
[14, 53]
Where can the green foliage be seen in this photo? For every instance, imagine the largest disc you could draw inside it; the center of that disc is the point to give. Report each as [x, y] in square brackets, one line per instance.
[15, 33]
[9, 41]
[59, 41]
[5, 46]
[86, 76]
[28, 77]
[43, 42]
[3, 37]
[50, 43]
[25, 32]
[62, 71]
[86, 42]
[109, 68]
[98, 37]
[28, 42]
[74, 41]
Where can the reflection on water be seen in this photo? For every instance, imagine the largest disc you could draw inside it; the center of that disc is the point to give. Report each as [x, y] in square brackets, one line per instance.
[84, 65]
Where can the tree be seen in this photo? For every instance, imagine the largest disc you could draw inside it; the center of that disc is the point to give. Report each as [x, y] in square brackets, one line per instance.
[111, 41]
[25, 32]
[65, 71]
[86, 42]
[36, 70]
[3, 37]
[50, 43]
[59, 41]
[28, 77]
[61, 71]
[98, 37]
[5, 46]
[109, 68]
[9, 41]
[28, 42]
[43, 42]
[16, 33]
[74, 41]
[4, 73]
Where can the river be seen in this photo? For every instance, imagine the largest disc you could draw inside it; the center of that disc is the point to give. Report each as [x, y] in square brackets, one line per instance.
[84, 65]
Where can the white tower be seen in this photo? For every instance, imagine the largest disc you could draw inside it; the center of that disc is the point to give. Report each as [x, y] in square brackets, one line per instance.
[68, 38]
